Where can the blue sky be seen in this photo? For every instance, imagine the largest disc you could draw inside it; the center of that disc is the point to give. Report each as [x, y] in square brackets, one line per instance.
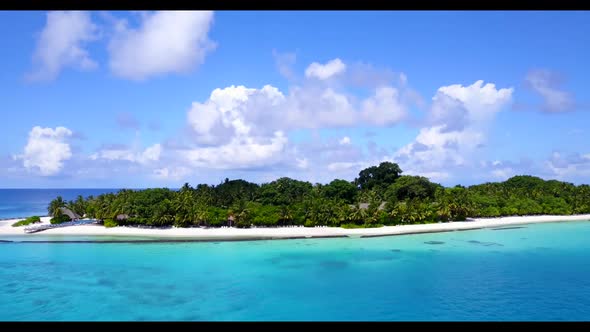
[143, 99]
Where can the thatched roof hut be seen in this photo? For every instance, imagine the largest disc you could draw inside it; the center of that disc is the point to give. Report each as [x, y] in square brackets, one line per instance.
[365, 206]
[73, 215]
[121, 217]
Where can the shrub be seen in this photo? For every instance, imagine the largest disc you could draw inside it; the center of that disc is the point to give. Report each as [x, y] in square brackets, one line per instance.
[60, 219]
[350, 226]
[309, 223]
[28, 221]
[110, 223]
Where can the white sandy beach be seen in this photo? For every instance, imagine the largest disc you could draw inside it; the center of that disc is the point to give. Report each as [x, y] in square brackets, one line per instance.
[282, 232]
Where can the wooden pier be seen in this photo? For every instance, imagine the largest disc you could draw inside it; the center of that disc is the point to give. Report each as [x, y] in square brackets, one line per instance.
[39, 228]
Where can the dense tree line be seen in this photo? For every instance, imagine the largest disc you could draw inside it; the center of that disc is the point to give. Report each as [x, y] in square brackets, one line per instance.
[380, 195]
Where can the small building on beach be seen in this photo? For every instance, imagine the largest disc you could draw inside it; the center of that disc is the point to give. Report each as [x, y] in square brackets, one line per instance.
[122, 217]
[365, 206]
[73, 215]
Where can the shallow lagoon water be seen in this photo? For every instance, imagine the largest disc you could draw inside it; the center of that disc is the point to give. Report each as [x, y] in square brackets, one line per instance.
[533, 272]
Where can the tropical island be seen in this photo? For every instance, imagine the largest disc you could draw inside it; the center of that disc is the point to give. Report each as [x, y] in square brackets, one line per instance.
[379, 197]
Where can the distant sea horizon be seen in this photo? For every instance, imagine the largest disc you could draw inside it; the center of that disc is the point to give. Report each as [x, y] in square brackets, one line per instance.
[26, 202]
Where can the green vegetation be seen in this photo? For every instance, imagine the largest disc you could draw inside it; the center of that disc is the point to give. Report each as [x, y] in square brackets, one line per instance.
[59, 219]
[28, 221]
[110, 223]
[350, 226]
[381, 195]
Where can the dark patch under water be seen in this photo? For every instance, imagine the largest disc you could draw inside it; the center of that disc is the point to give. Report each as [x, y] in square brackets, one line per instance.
[434, 242]
[487, 244]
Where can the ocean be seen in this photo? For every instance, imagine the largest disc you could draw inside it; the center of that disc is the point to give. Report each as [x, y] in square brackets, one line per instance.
[535, 272]
[21, 203]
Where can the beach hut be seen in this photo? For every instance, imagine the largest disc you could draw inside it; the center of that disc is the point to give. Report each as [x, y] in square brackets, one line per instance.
[122, 217]
[73, 215]
[365, 206]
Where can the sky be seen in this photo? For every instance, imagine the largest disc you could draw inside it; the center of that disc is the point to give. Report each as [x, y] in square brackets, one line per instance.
[156, 99]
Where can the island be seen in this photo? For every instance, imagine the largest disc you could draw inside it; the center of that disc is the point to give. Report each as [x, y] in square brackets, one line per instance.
[380, 201]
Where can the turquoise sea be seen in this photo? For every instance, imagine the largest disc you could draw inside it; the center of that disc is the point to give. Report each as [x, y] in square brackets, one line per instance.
[533, 272]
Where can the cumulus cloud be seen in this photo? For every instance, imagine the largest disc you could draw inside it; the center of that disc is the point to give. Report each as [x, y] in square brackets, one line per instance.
[241, 152]
[166, 42]
[172, 173]
[238, 110]
[241, 127]
[571, 166]
[46, 150]
[457, 125]
[502, 174]
[302, 163]
[383, 108]
[360, 74]
[325, 71]
[547, 84]
[150, 154]
[61, 44]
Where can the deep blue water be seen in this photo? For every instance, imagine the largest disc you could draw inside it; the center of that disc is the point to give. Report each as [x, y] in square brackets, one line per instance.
[537, 272]
[19, 203]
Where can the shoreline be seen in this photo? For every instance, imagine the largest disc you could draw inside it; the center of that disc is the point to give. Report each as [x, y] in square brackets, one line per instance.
[237, 234]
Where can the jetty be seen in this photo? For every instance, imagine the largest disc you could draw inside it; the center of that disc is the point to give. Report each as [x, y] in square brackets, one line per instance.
[39, 228]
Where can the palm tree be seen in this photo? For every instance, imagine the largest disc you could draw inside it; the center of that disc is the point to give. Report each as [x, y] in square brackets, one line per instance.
[286, 216]
[343, 214]
[358, 215]
[373, 218]
[193, 215]
[55, 205]
[443, 212]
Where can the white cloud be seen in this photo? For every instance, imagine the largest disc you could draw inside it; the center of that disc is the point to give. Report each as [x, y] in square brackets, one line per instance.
[237, 126]
[302, 163]
[238, 110]
[150, 154]
[547, 85]
[503, 174]
[166, 42]
[60, 44]
[172, 173]
[383, 108]
[569, 166]
[323, 72]
[241, 152]
[46, 150]
[458, 120]
[482, 102]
